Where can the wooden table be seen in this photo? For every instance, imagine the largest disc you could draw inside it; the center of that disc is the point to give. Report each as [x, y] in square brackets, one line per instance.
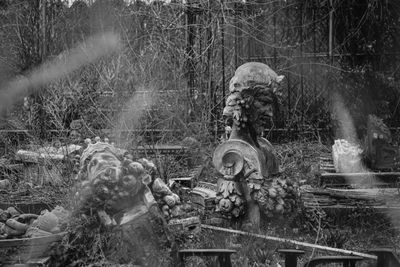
[30, 251]
[386, 257]
[291, 256]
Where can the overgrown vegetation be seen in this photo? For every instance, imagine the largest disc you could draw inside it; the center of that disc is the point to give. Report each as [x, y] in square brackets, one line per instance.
[353, 230]
[169, 80]
[178, 58]
[91, 244]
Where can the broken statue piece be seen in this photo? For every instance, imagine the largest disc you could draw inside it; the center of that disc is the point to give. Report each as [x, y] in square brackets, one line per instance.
[124, 195]
[115, 184]
[16, 225]
[381, 153]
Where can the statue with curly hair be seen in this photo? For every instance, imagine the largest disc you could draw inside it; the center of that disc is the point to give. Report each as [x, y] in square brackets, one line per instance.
[247, 161]
[124, 195]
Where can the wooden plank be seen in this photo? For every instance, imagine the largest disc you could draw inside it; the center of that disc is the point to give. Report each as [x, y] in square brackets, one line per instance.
[35, 241]
[327, 165]
[361, 174]
[356, 185]
[380, 198]
[328, 170]
[375, 179]
[326, 159]
[383, 209]
[392, 191]
[205, 252]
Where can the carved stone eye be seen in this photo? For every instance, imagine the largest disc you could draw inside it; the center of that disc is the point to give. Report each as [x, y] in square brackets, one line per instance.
[94, 162]
[129, 179]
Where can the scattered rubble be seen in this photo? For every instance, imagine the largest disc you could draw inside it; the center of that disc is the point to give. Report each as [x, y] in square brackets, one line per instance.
[191, 224]
[14, 224]
[46, 165]
[203, 196]
[381, 152]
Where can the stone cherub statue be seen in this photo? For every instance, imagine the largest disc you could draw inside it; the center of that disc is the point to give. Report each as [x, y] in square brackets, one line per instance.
[118, 187]
[125, 194]
[246, 160]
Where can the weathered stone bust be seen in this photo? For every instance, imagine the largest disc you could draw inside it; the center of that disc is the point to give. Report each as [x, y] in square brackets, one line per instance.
[253, 92]
[247, 161]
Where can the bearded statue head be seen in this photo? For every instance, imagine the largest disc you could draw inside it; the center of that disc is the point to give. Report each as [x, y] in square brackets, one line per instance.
[253, 93]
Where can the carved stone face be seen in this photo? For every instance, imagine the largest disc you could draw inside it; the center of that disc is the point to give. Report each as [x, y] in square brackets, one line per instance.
[116, 183]
[103, 162]
[253, 92]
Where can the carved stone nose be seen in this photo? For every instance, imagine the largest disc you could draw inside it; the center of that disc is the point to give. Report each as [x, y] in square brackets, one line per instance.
[227, 112]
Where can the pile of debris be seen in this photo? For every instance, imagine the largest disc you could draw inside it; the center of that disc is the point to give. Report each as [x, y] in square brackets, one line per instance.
[45, 165]
[14, 224]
